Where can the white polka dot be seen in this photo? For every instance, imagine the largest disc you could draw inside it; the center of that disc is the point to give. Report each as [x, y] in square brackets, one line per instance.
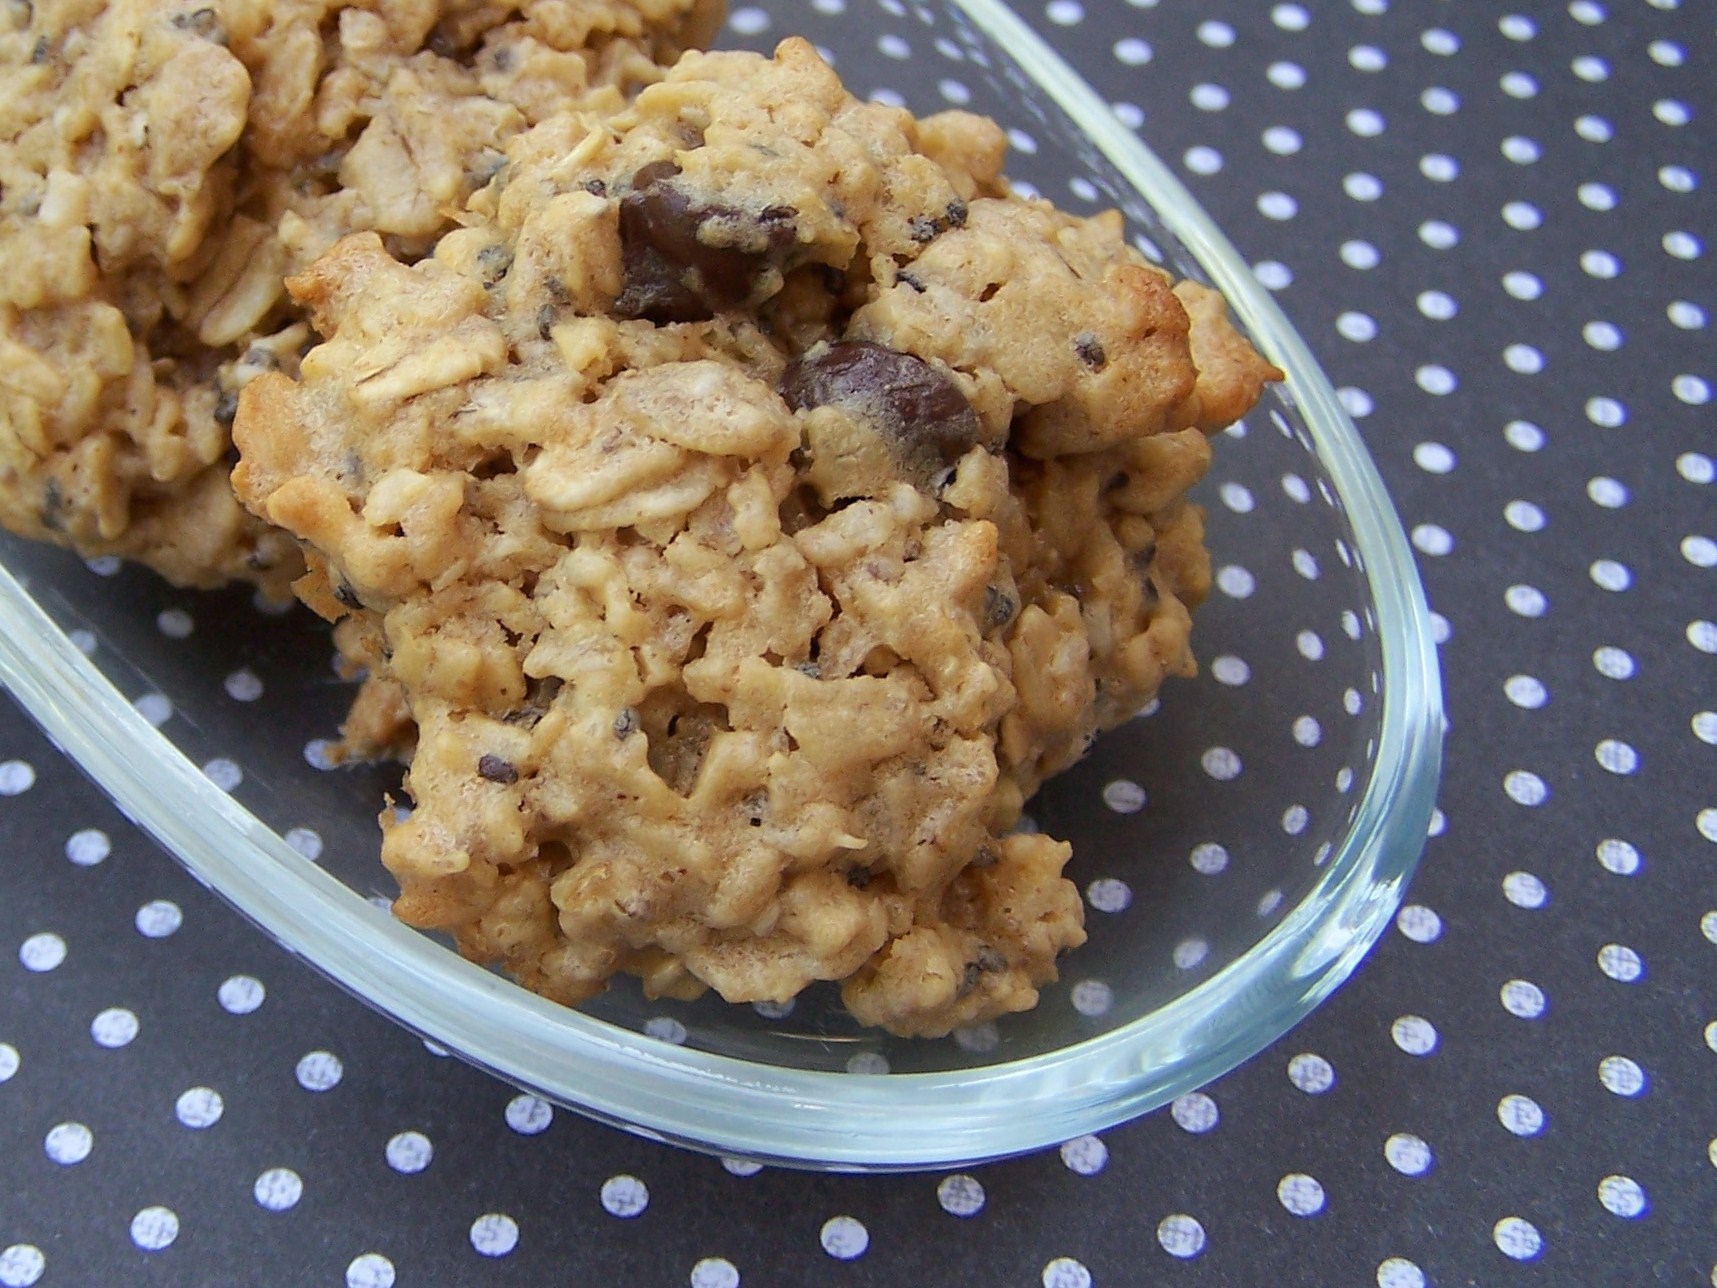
[199, 1107]
[1419, 923]
[1607, 492]
[1618, 857]
[1180, 1235]
[1284, 142]
[664, 1028]
[1518, 85]
[1682, 245]
[1692, 390]
[1300, 1194]
[113, 1028]
[1310, 645]
[240, 994]
[1616, 756]
[960, 1195]
[1226, 669]
[1277, 205]
[1707, 927]
[714, 1272]
[21, 1265]
[1398, 1272]
[1522, 216]
[1432, 539]
[1085, 1155]
[1438, 235]
[1272, 899]
[223, 773]
[1132, 51]
[319, 1071]
[1671, 112]
[88, 847]
[1687, 316]
[1209, 858]
[371, 1270]
[1367, 58]
[1525, 691]
[1218, 35]
[154, 1228]
[1702, 635]
[1285, 75]
[1699, 551]
[1092, 997]
[1520, 150]
[1356, 402]
[1189, 954]
[624, 1196]
[1525, 788]
[1195, 1112]
[741, 1167]
[1704, 726]
[1108, 894]
[1208, 97]
[1591, 69]
[1407, 1154]
[1523, 435]
[1124, 796]
[1522, 285]
[1596, 196]
[42, 952]
[278, 1190]
[1440, 101]
[1437, 305]
[1290, 17]
[529, 1115]
[1517, 1238]
[874, 1064]
[494, 1234]
[1620, 963]
[1621, 1075]
[1524, 890]
[1206, 161]
[1311, 1073]
[1414, 1035]
[1696, 467]
[1520, 1114]
[1609, 575]
[243, 686]
[1677, 178]
[1439, 168]
[409, 1152]
[1524, 516]
[1065, 1272]
[16, 777]
[1221, 763]
[1622, 1196]
[1523, 999]
[1366, 122]
[1600, 264]
[68, 1144]
[174, 623]
[1435, 380]
[1606, 412]
[1272, 275]
[1362, 187]
[158, 919]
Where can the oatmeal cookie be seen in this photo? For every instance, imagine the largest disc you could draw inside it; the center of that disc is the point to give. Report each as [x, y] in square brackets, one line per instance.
[163, 165]
[752, 504]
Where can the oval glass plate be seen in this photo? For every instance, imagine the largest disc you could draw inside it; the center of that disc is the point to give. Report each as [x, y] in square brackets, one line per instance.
[1240, 846]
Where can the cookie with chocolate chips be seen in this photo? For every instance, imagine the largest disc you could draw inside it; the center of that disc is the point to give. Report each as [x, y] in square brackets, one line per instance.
[751, 504]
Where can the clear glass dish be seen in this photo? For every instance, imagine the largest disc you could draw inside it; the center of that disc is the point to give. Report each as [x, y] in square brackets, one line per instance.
[1241, 846]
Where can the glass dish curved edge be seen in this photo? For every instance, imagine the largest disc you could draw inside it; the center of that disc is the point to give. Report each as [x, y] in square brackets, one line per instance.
[805, 1118]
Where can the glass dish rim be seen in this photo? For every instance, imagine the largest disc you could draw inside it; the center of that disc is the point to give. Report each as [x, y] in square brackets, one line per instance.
[770, 1113]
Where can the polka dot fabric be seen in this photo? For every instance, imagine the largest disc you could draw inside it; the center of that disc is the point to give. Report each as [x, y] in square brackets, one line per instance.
[1491, 223]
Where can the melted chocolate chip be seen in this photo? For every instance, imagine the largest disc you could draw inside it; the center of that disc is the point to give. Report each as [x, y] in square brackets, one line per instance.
[984, 857]
[1000, 607]
[957, 213]
[39, 54]
[202, 22]
[907, 279]
[674, 268]
[990, 960]
[226, 407]
[52, 500]
[546, 316]
[539, 694]
[858, 877]
[625, 723]
[1090, 351]
[923, 228]
[494, 261]
[347, 596]
[596, 188]
[497, 770]
[917, 410]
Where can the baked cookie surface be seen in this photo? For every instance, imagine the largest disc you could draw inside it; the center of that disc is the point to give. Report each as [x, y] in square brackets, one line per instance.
[751, 504]
[164, 164]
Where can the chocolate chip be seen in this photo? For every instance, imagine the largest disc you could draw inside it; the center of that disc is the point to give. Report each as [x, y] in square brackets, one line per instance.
[497, 770]
[984, 857]
[917, 410]
[596, 188]
[969, 977]
[202, 22]
[39, 54]
[485, 166]
[503, 59]
[546, 316]
[226, 407]
[539, 695]
[347, 596]
[923, 228]
[990, 960]
[494, 261]
[1090, 351]
[1000, 607]
[858, 877]
[1141, 558]
[625, 723]
[809, 668]
[51, 503]
[957, 213]
[907, 279]
[674, 270]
